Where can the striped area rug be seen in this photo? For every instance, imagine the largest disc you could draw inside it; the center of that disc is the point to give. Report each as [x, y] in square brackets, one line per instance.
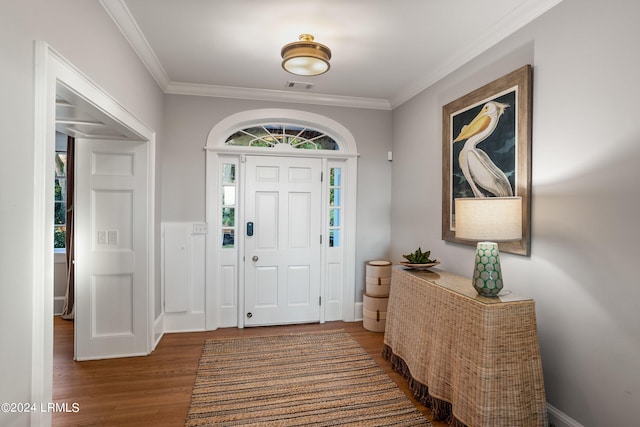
[313, 379]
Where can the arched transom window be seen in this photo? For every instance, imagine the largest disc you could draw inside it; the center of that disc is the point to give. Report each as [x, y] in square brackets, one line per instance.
[271, 135]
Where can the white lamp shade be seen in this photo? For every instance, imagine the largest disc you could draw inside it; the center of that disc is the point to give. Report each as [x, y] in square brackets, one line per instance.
[496, 219]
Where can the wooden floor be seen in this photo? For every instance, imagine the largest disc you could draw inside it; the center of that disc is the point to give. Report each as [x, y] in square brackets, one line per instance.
[156, 390]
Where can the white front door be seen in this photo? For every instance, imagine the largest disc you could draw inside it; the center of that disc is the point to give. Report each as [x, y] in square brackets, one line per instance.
[111, 255]
[282, 240]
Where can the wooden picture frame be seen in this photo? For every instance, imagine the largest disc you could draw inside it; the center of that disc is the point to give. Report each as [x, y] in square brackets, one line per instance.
[508, 148]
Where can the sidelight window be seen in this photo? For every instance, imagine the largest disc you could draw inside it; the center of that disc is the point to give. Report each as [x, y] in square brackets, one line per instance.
[229, 192]
[335, 207]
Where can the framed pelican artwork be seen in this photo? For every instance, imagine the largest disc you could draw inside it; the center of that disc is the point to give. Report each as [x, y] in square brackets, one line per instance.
[486, 150]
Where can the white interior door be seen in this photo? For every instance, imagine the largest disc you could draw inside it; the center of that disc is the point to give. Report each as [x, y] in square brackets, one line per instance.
[282, 251]
[111, 255]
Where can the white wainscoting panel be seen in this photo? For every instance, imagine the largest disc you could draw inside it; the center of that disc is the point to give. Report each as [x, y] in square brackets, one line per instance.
[183, 277]
[334, 291]
[176, 269]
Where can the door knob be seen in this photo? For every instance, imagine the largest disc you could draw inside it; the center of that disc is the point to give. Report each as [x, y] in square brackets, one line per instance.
[254, 258]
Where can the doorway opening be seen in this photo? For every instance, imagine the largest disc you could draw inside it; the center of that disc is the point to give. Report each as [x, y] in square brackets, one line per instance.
[105, 157]
[251, 155]
[60, 85]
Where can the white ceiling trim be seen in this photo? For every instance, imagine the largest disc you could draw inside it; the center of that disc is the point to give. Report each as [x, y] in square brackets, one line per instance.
[121, 15]
[276, 95]
[517, 19]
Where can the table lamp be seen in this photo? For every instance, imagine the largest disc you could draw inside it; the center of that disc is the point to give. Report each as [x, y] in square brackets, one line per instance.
[488, 220]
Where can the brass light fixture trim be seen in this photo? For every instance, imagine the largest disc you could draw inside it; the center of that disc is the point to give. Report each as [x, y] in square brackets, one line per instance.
[306, 57]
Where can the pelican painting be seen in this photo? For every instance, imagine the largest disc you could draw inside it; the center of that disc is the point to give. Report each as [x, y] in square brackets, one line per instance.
[484, 177]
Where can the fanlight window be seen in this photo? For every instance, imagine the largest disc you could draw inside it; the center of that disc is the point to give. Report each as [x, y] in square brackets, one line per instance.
[270, 135]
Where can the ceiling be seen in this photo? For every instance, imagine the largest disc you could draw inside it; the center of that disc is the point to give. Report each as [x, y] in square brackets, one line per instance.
[383, 52]
[77, 117]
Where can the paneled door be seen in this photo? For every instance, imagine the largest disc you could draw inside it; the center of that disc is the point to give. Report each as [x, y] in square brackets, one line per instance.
[111, 252]
[282, 240]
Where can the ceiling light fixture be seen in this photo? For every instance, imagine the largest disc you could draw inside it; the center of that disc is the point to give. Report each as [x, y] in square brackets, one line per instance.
[306, 57]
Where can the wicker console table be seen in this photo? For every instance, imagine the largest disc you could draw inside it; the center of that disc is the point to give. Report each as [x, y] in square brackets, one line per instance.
[475, 361]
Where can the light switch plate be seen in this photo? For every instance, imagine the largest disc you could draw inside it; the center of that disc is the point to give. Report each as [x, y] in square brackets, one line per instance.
[112, 237]
[200, 229]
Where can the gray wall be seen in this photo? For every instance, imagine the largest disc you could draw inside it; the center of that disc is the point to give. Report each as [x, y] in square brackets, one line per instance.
[583, 268]
[85, 35]
[582, 271]
[189, 120]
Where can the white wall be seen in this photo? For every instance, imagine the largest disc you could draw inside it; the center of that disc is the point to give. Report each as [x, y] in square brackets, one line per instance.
[583, 269]
[85, 35]
[189, 120]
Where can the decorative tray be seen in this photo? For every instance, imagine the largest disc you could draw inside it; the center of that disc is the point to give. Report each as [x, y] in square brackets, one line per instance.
[419, 266]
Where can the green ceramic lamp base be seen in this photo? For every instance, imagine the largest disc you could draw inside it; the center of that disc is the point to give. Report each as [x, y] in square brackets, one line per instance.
[487, 275]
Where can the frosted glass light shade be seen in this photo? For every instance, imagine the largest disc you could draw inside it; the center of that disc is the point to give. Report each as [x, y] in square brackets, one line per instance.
[306, 57]
[305, 65]
[496, 219]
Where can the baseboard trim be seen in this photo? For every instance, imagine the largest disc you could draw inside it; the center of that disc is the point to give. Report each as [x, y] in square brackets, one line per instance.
[557, 418]
[183, 322]
[358, 312]
[158, 330]
[58, 305]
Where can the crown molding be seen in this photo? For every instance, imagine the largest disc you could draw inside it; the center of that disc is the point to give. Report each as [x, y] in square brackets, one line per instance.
[512, 22]
[120, 14]
[276, 95]
[508, 25]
